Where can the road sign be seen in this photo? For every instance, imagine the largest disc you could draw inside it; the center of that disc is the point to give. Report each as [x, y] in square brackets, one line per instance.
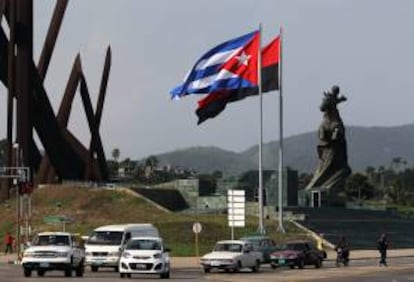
[236, 203]
[197, 227]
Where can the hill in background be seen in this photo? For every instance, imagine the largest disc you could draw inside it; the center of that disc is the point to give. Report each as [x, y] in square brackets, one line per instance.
[367, 146]
[89, 208]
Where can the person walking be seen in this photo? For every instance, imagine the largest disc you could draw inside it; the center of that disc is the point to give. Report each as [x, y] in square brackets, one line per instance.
[382, 246]
[8, 241]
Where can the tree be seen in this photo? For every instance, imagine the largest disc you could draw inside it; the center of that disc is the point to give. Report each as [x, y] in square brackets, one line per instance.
[116, 154]
[370, 171]
[217, 174]
[358, 187]
[152, 162]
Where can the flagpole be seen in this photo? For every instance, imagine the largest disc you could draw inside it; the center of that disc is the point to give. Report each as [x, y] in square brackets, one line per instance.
[261, 229]
[280, 177]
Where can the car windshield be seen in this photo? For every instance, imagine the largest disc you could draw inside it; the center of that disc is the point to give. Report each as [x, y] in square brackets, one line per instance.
[256, 242]
[105, 238]
[143, 244]
[228, 247]
[56, 240]
[295, 247]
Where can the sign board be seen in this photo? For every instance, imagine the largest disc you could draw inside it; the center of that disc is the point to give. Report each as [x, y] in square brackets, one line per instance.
[236, 203]
[197, 227]
[55, 219]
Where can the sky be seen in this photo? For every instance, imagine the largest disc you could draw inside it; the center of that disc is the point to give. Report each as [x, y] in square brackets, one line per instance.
[364, 46]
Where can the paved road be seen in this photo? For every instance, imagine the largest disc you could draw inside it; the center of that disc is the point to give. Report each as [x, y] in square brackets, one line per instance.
[361, 270]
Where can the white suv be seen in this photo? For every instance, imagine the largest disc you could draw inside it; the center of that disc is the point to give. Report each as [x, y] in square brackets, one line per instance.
[54, 251]
[145, 255]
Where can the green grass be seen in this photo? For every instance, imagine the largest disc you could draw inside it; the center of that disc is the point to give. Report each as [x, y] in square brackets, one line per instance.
[92, 207]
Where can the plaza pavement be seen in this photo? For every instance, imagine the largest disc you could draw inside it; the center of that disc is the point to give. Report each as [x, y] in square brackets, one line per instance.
[191, 262]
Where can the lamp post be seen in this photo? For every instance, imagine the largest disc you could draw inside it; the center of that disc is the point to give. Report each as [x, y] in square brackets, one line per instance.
[17, 163]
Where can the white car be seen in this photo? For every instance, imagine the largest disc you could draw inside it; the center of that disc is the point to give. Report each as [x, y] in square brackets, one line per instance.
[145, 255]
[54, 251]
[103, 245]
[232, 255]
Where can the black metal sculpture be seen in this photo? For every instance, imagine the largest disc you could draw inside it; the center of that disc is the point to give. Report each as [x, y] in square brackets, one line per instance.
[333, 168]
[65, 157]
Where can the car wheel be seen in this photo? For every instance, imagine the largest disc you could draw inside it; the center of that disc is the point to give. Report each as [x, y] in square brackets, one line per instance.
[41, 273]
[128, 275]
[292, 266]
[165, 275]
[80, 269]
[68, 271]
[301, 263]
[122, 275]
[116, 269]
[274, 266]
[238, 267]
[206, 270]
[256, 267]
[94, 268]
[318, 263]
[27, 272]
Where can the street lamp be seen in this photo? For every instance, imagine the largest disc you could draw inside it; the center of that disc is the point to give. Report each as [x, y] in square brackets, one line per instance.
[16, 147]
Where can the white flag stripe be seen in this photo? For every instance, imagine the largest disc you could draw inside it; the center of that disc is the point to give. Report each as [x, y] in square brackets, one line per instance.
[217, 58]
[208, 80]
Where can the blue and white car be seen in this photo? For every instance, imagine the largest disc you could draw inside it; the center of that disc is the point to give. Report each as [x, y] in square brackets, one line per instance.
[145, 255]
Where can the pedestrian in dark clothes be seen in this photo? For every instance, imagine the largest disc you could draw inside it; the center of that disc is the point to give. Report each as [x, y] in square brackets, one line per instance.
[382, 246]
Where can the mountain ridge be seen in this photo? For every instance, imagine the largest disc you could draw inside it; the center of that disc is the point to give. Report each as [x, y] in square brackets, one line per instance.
[367, 146]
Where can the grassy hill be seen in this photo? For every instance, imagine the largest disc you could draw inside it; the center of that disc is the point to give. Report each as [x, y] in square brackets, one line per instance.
[92, 207]
[367, 146]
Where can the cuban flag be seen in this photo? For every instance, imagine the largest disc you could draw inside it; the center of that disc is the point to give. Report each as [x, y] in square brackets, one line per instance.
[228, 66]
[214, 103]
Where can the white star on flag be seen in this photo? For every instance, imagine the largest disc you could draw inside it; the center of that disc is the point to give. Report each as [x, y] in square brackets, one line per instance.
[243, 59]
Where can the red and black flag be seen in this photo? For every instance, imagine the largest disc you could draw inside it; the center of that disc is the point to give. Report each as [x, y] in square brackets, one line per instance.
[214, 103]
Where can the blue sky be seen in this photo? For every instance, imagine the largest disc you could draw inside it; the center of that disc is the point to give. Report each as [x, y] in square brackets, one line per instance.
[364, 46]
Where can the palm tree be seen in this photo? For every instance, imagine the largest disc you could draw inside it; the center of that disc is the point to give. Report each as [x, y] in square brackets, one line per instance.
[116, 154]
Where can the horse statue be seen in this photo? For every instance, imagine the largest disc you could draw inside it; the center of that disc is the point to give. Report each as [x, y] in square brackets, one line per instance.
[333, 168]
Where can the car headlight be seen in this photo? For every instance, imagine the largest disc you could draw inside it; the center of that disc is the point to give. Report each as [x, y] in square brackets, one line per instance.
[62, 254]
[126, 255]
[157, 255]
[28, 254]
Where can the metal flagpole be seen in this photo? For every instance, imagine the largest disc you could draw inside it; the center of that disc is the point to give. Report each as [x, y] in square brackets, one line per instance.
[280, 178]
[261, 229]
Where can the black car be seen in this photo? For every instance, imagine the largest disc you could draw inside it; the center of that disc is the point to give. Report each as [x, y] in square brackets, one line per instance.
[298, 253]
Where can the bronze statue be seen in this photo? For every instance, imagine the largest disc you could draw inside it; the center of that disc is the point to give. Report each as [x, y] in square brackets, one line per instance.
[333, 168]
